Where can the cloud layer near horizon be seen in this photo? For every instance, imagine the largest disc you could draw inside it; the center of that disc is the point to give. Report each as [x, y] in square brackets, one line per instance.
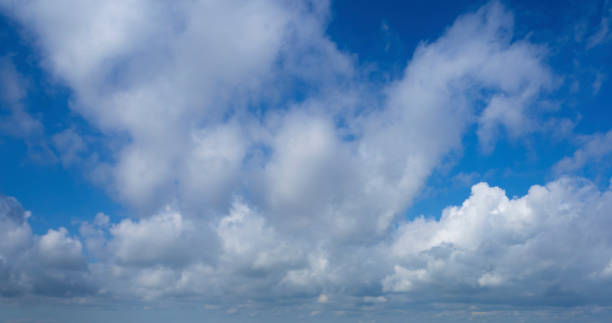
[303, 199]
[549, 247]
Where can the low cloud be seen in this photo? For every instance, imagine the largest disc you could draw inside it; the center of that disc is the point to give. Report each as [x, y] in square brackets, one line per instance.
[302, 202]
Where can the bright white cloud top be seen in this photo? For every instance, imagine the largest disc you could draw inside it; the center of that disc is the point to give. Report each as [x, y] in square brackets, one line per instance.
[297, 210]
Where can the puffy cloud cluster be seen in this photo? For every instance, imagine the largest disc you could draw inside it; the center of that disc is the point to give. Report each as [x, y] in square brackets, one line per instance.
[549, 246]
[169, 76]
[52, 264]
[183, 93]
[299, 199]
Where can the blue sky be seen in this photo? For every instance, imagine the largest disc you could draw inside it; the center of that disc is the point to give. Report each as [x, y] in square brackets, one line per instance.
[315, 161]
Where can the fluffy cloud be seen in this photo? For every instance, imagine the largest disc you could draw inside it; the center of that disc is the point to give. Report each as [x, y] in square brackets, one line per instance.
[551, 245]
[168, 75]
[51, 264]
[301, 200]
[171, 85]
[56, 248]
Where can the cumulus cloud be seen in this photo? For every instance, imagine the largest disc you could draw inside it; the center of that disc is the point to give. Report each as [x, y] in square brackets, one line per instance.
[550, 245]
[168, 75]
[302, 199]
[51, 264]
[170, 86]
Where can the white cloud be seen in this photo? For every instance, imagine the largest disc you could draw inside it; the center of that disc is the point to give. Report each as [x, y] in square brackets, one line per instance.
[70, 146]
[17, 122]
[56, 248]
[315, 275]
[180, 90]
[403, 279]
[166, 238]
[490, 279]
[17, 233]
[593, 151]
[607, 271]
[553, 237]
[212, 164]
[599, 79]
[248, 241]
[602, 34]
[162, 73]
[301, 200]
[550, 243]
[322, 299]
[51, 264]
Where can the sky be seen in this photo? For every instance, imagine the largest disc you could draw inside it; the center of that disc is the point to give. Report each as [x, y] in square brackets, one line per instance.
[305, 161]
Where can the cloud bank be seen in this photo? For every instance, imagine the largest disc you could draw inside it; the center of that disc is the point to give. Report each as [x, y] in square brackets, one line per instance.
[301, 201]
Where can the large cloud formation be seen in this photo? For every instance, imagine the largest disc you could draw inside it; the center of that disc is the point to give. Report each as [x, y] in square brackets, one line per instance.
[301, 199]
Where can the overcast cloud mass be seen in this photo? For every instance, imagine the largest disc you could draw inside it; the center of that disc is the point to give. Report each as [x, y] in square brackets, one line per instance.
[262, 171]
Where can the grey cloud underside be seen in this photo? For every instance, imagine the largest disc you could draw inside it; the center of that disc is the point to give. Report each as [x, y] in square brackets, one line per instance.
[301, 200]
[549, 247]
[48, 265]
